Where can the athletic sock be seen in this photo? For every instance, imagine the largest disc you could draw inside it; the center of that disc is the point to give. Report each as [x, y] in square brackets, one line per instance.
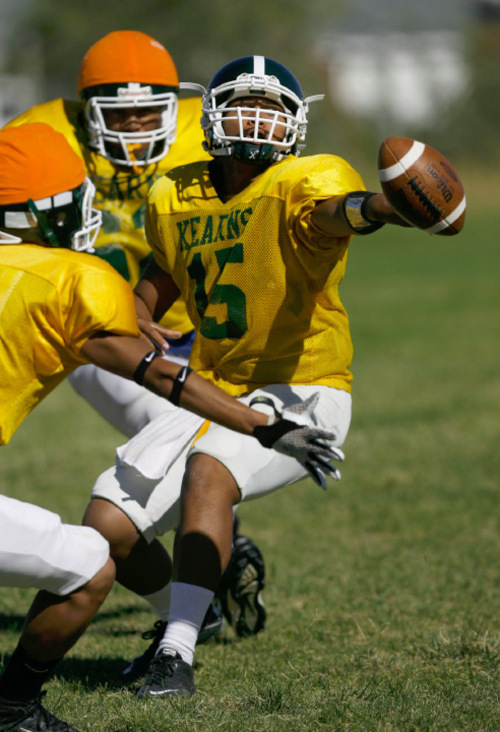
[24, 676]
[160, 601]
[187, 609]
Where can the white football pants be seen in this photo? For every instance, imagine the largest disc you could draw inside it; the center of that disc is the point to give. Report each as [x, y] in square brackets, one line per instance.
[123, 403]
[38, 550]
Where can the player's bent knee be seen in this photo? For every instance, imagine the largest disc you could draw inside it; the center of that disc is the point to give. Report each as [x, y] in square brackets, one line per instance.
[207, 479]
[114, 525]
[98, 588]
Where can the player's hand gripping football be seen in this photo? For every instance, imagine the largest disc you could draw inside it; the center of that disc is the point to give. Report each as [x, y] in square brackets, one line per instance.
[295, 434]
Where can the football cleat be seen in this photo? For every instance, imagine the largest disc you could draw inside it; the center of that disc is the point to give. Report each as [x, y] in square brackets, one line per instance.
[168, 675]
[30, 716]
[240, 588]
[213, 624]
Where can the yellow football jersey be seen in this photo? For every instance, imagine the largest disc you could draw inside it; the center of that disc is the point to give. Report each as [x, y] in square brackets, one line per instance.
[121, 192]
[51, 302]
[259, 280]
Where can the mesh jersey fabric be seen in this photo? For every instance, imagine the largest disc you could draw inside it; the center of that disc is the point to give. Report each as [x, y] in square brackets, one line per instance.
[120, 193]
[51, 302]
[259, 280]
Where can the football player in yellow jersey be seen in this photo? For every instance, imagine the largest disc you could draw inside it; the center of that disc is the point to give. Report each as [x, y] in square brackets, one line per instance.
[61, 308]
[130, 128]
[256, 241]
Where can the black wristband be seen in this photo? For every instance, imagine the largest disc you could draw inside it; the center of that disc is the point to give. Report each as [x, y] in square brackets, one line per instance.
[179, 381]
[354, 207]
[138, 376]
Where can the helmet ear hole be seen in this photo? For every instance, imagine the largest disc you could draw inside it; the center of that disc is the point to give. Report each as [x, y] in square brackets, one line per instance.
[254, 77]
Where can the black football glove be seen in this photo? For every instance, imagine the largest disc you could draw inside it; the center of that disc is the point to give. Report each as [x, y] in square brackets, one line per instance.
[294, 434]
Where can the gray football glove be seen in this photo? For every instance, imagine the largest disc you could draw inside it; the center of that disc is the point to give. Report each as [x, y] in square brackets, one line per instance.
[294, 434]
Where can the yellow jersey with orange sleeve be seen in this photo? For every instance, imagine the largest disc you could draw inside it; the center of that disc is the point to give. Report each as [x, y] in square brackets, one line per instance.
[121, 192]
[260, 281]
[51, 302]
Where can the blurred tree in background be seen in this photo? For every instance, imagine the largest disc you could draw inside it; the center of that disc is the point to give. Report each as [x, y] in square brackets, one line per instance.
[200, 35]
[480, 116]
[52, 36]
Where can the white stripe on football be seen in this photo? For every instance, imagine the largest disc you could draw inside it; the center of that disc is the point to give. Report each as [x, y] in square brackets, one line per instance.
[421, 185]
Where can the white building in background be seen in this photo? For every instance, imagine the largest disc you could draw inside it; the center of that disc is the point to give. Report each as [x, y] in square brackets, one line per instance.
[17, 91]
[405, 78]
[397, 61]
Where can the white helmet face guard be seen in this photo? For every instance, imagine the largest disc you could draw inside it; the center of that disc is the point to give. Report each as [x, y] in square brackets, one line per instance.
[118, 147]
[83, 239]
[290, 123]
[281, 125]
[65, 220]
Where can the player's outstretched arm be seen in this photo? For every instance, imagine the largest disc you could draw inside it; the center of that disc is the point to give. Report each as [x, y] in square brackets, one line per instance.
[420, 188]
[357, 212]
[292, 433]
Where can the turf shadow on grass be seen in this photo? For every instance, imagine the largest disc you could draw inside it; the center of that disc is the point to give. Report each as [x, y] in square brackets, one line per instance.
[95, 673]
[11, 622]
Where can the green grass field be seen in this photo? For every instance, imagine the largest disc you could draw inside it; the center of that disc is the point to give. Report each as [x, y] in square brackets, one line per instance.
[383, 594]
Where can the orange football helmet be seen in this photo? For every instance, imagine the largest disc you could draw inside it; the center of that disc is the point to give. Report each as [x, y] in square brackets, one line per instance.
[45, 196]
[129, 70]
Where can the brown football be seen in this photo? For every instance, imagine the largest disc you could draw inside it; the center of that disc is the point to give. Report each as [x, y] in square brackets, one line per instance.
[422, 186]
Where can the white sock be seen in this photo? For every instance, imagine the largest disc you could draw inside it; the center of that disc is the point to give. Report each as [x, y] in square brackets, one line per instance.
[160, 601]
[187, 609]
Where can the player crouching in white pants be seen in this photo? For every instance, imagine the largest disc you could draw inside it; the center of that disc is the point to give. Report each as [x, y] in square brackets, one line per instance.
[71, 568]
[62, 308]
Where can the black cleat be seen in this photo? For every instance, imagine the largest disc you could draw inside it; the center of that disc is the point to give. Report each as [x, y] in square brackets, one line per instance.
[30, 716]
[239, 591]
[213, 624]
[168, 675]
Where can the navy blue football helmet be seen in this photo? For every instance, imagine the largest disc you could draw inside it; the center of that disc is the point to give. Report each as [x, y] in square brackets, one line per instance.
[244, 78]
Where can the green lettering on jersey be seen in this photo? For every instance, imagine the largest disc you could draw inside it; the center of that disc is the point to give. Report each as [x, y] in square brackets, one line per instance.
[230, 295]
[233, 228]
[245, 215]
[220, 236]
[208, 233]
[216, 228]
[194, 230]
[124, 186]
[196, 271]
[182, 226]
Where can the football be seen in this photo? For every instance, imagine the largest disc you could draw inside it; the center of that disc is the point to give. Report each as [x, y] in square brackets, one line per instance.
[422, 186]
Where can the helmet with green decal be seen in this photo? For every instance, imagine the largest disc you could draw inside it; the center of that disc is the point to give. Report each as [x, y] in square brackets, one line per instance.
[244, 79]
[45, 196]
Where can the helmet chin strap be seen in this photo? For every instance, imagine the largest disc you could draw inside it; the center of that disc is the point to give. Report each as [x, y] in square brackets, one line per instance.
[48, 233]
[252, 154]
